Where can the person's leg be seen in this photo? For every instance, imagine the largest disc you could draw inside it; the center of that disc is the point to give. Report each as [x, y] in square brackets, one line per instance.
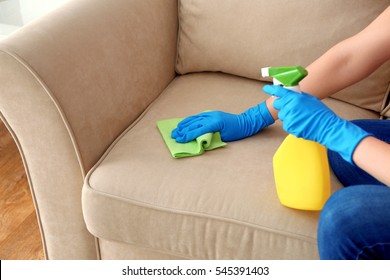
[349, 174]
[355, 224]
[355, 221]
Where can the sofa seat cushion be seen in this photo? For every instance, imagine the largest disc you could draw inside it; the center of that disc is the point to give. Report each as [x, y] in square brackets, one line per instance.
[220, 205]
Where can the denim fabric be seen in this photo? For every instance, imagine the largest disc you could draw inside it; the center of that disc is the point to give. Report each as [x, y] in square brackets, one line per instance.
[355, 221]
[355, 224]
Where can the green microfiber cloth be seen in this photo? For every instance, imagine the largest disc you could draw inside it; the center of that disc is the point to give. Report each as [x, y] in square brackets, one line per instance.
[205, 142]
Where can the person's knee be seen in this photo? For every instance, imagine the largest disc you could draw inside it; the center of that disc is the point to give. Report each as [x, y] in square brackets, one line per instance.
[349, 222]
[335, 224]
[333, 215]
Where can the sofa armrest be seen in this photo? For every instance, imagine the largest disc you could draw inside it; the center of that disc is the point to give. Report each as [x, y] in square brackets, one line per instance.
[70, 83]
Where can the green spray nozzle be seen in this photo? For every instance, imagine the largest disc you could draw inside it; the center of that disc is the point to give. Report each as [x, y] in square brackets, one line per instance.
[287, 76]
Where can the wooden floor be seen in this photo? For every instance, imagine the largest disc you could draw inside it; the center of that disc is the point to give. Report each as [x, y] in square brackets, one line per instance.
[19, 233]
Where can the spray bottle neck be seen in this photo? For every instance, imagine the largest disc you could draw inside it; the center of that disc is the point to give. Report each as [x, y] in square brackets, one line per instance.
[295, 88]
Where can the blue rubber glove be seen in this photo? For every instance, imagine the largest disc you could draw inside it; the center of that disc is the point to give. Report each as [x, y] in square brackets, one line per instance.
[305, 116]
[231, 127]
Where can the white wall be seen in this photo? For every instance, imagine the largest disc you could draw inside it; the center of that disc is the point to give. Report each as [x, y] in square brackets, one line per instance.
[10, 12]
[16, 13]
[31, 9]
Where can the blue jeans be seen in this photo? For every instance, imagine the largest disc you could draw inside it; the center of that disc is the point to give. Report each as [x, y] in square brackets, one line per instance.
[355, 221]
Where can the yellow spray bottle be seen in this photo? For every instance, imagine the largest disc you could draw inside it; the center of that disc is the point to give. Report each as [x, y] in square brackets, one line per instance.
[301, 168]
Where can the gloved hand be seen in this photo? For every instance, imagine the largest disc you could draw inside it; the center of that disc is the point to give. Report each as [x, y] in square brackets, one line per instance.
[305, 116]
[231, 127]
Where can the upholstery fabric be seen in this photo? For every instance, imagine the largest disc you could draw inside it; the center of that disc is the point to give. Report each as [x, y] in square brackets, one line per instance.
[210, 207]
[70, 84]
[103, 61]
[51, 163]
[81, 90]
[241, 37]
[112, 250]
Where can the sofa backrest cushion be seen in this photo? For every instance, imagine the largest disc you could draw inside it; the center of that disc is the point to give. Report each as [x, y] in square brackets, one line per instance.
[241, 37]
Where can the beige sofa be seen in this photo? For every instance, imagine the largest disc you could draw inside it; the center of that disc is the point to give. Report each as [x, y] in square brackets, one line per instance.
[82, 88]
